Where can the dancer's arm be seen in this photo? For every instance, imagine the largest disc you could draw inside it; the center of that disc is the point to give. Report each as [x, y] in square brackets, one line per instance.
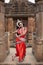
[15, 32]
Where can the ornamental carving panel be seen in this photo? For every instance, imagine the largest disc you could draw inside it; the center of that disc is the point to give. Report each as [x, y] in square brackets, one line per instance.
[19, 7]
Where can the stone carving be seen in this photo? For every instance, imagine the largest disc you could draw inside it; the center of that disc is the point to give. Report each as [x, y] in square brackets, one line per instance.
[19, 7]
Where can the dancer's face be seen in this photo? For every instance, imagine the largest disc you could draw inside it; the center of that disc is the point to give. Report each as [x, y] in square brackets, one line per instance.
[21, 24]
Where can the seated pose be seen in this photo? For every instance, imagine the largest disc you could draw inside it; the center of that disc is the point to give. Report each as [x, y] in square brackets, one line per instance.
[20, 41]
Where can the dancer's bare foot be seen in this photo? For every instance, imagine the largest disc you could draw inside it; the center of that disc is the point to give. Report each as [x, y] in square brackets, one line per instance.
[21, 60]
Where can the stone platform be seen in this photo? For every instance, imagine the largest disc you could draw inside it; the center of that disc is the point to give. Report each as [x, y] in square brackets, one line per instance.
[29, 59]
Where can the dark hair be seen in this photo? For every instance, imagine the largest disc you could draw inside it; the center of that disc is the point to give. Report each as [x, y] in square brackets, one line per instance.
[19, 23]
[17, 27]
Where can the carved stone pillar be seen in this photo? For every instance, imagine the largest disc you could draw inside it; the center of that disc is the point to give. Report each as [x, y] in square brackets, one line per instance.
[14, 37]
[2, 32]
[7, 37]
[7, 42]
[6, 24]
[39, 31]
[10, 29]
[31, 26]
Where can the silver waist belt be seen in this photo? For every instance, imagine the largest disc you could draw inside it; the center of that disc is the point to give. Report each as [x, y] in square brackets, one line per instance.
[21, 40]
[18, 42]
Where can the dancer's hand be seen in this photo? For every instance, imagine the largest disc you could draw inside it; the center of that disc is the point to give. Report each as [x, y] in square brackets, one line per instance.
[17, 35]
[14, 32]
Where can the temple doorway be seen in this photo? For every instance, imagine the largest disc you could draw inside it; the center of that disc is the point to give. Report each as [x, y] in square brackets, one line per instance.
[27, 22]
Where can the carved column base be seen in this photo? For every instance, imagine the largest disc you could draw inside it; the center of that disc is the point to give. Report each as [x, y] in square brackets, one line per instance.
[39, 50]
[2, 50]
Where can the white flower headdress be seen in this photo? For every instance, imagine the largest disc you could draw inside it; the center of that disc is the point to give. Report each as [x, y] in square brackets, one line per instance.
[18, 21]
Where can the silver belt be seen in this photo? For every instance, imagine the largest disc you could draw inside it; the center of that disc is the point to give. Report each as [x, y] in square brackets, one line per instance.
[18, 42]
[22, 39]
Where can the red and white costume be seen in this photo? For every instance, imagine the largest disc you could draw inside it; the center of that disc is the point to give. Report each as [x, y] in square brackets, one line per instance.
[20, 43]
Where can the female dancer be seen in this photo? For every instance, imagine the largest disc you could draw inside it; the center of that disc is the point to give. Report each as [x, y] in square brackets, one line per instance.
[20, 41]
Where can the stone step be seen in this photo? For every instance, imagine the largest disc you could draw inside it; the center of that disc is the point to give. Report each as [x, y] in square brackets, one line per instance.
[23, 64]
[15, 64]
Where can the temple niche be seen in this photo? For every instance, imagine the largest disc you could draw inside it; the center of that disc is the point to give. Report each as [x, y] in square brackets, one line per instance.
[22, 10]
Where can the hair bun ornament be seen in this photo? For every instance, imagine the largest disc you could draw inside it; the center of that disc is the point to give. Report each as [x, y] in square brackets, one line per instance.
[18, 21]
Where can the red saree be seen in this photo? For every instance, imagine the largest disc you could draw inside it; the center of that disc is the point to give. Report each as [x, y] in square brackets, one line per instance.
[20, 47]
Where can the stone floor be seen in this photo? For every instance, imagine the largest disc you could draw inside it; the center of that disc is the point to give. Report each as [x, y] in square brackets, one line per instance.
[29, 59]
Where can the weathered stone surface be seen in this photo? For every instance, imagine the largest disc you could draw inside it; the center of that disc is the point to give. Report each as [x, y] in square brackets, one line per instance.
[39, 31]
[19, 8]
[39, 34]
[2, 10]
[33, 46]
[39, 51]
[7, 42]
[2, 52]
[31, 27]
[10, 27]
[2, 33]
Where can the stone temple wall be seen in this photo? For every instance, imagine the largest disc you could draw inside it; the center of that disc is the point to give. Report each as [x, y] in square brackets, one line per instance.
[38, 42]
[3, 35]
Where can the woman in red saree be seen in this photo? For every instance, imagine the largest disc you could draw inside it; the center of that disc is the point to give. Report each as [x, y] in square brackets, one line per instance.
[20, 41]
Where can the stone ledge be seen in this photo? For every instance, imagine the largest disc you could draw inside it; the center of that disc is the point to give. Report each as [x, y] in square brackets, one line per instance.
[23, 64]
